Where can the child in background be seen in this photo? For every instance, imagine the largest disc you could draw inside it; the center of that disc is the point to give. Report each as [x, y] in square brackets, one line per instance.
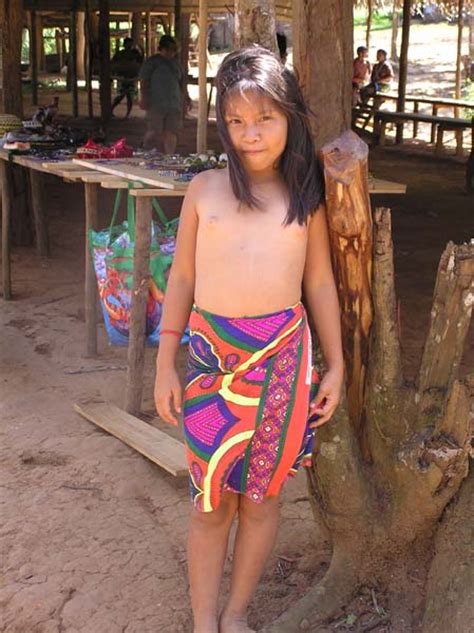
[251, 238]
[360, 74]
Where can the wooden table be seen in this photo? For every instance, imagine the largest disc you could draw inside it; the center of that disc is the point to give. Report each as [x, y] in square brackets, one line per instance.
[156, 445]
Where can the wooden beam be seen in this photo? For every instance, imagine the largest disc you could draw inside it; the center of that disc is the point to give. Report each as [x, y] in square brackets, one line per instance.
[369, 22]
[403, 69]
[202, 106]
[136, 30]
[104, 59]
[33, 58]
[159, 447]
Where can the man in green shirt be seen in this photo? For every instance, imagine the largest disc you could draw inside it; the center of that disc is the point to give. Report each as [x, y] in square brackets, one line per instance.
[161, 96]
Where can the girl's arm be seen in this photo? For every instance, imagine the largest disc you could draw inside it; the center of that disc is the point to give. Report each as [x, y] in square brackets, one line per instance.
[177, 306]
[321, 296]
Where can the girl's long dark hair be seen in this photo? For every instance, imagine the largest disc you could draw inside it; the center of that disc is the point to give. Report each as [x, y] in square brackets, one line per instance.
[256, 68]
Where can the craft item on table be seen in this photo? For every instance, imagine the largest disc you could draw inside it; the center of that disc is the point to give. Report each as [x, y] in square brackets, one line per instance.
[17, 145]
[112, 254]
[92, 150]
[9, 122]
[201, 162]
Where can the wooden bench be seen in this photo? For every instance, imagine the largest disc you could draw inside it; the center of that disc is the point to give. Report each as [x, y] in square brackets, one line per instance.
[441, 124]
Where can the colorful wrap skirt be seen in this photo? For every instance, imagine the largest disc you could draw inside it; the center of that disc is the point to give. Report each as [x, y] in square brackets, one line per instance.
[246, 406]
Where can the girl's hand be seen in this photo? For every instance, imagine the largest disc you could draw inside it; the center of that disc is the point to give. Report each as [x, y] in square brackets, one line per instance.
[328, 397]
[168, 392]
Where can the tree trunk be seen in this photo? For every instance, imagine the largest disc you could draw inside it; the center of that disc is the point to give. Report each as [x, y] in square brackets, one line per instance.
[389, 463]
[325, 25]
[201, 141]
[11, 24]
[395, 21]
[369, 22]
[396, 453]
[255, 23]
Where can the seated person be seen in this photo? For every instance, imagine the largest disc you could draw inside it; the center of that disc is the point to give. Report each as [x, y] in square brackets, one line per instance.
[381, 78]
[360, 73]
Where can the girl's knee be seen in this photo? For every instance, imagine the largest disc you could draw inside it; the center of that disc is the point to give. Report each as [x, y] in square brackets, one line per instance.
[223, 515]
[259, 512]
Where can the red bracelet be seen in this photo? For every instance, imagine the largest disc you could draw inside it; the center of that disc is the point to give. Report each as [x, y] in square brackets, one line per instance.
[175, 332]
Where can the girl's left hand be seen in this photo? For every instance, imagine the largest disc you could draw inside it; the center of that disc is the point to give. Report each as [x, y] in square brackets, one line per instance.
[328, 397]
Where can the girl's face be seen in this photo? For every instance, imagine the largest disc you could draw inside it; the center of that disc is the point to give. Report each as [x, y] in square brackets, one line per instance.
[258, 130]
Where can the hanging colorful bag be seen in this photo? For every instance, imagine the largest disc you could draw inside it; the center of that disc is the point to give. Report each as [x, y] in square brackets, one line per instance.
[112, 254]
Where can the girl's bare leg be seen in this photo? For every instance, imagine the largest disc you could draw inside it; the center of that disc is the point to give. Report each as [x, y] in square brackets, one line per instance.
[255, 538]
[207, 549]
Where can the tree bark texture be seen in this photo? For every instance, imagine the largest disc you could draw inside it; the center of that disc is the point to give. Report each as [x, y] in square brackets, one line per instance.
[395, 455]
[255, 23]
[321, 26]
[11, 24]
[369, 22]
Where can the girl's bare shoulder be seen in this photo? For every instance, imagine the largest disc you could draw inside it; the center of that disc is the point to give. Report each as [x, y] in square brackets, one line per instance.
[210, 180]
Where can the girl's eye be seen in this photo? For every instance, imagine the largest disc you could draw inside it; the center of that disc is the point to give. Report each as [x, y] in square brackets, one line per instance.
[265, 117]
[233, 121]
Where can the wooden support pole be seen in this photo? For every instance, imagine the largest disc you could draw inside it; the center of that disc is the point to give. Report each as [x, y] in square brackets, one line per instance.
[141, 274]
[148, 35]
[89, 59]
[81, 45]
[403, 70]
[92, 210]
[184, 56]
[104, 60]
[202, 106]
[136, 31]
[395, 21]
[39, 215]
[33, 58]
[177, 19]
[73, 60]
[11, 25]
[6, 212]
[457, 90]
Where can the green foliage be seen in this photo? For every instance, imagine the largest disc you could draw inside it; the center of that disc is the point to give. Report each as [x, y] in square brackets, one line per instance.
[380, 20]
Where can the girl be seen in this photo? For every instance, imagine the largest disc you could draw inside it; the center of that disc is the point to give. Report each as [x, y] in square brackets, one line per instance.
[250, 238]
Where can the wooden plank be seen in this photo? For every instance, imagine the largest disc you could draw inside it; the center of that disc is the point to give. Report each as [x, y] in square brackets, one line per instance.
[77, 176]
[376, 185]
[159, 447]
[133, 172]
[53, 166]
[162, 193]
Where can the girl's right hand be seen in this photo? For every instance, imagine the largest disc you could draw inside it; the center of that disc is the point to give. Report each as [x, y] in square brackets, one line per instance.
[167, 394]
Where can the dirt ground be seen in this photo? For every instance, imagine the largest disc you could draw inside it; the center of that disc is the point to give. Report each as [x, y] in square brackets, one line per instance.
[93, 535]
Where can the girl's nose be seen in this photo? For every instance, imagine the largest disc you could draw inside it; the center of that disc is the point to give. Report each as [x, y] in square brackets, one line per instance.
[251, 133]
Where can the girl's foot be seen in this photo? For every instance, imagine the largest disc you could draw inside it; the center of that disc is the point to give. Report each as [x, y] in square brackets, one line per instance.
[234, 624]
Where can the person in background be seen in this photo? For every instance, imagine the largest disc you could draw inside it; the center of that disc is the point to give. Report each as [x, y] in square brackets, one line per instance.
[282, 47]
[126, 64]
[380, 79]
[162, 96]
[360, 73]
